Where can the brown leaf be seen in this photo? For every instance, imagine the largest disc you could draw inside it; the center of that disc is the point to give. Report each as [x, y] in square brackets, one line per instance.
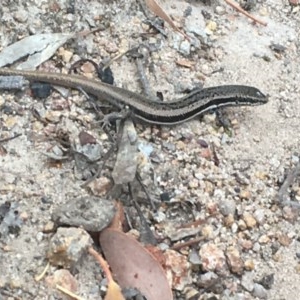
[119, 217]
[133, 266]
[113, 292]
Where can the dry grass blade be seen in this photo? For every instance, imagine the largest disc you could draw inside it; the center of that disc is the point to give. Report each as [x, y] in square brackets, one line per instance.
[113, 289]
[158, 11]
[41, 276]
[69, 293]
[238, 8]
[283, 191]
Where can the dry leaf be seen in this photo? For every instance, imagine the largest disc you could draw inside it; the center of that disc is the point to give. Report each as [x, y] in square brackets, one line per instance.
[133, 266]
[113, 292]
[119, 217]
[37, 48]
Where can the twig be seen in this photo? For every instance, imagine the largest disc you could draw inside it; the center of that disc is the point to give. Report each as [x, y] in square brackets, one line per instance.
[147, 236]
[104, 265]
[10, 138]
[139, 179]
[113, 289]
[118, 56]
[282, 193]
[242, 11]
[180, 245]
[143, 78]
[8, 294]
[85, 33]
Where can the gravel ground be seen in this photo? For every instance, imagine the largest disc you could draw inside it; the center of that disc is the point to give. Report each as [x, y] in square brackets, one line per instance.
[250, 240]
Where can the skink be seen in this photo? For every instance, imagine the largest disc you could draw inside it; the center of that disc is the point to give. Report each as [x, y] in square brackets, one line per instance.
[151, 111]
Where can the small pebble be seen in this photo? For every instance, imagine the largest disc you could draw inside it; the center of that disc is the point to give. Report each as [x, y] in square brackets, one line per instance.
[259, 291]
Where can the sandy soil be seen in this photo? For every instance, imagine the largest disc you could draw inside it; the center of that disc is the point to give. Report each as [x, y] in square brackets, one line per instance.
[264, 138]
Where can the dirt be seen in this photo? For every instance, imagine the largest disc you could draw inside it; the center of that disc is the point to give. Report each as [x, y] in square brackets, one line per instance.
[263, 139]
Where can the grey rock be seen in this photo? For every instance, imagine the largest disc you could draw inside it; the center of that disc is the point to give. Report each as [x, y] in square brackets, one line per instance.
[145, 148]
[194, 258]
[220, 10]
[91, 151]
[21, 16]
[178, 234]
[239, 296]
[159, 216]
[169, 146]
[259, 291]
[91, 213]
[247, 281]
[126, 162]
[185, 47]
[10, 222]
[259, 215]
[227, 207]
[207, 279]
[267, 281]
[196, 25]
[67, 246]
